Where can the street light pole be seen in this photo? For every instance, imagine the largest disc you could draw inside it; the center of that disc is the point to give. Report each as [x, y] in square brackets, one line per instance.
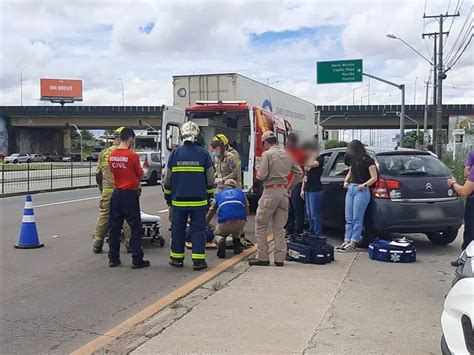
[80, 136]
[123, 93]
[425, 117]
[401, 87]
[414, 92]
[353, 93]
[154, 129]
[21, 84]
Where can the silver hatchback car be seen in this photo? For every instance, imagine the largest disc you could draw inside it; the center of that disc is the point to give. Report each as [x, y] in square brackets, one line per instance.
[151, 165]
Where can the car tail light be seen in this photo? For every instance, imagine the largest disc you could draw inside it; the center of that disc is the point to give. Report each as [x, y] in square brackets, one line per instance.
[145, 164]
[383, 187]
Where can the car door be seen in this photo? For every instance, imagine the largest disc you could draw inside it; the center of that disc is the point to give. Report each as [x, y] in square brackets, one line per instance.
[334, 192]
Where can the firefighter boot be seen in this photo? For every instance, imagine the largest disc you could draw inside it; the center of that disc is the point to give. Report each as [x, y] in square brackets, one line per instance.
[176, 262]
[199, 265]
[237, 246]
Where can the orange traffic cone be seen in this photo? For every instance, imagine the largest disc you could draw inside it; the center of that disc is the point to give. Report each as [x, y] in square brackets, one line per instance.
[29, 238]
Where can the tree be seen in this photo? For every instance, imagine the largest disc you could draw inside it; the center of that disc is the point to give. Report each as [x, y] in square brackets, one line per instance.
[332, 143]
[86, 135]
[412, 139]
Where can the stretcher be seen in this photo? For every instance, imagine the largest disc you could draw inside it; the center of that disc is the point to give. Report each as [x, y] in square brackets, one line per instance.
[151, 225]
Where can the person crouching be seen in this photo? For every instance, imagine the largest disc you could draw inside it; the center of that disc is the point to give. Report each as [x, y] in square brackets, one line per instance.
[232, 208]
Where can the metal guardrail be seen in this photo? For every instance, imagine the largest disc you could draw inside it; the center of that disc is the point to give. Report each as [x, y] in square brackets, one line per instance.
[34, 177]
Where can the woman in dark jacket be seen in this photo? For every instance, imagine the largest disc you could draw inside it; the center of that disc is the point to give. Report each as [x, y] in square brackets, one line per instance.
[362, 174]
[312, 189]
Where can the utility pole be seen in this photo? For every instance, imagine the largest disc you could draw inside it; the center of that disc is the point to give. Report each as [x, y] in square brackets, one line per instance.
[440, 75]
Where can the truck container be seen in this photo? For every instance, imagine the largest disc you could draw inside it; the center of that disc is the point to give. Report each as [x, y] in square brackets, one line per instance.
[187, 89]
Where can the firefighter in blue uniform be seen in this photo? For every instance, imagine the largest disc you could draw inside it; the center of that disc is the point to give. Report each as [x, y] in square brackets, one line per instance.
[188, 188]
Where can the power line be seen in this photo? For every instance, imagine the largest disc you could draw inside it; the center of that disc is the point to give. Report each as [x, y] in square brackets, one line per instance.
[456, 10]
[424, 26]
[462, 34]
[460, 55]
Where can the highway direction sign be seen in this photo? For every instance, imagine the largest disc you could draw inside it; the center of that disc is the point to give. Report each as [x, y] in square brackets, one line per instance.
[339, 71]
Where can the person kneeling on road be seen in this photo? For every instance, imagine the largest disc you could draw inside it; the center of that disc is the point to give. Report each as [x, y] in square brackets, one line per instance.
[232, 208]
[125, 204]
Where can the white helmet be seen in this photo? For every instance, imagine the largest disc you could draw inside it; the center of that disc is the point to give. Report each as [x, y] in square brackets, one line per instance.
[189, 131]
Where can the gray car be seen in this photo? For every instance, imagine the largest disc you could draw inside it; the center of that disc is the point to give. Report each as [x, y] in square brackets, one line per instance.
[410, 196]
[151, 165]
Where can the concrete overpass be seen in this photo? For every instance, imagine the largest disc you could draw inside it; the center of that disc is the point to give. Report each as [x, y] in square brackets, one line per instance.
[40, 129]
[43, 129]
[86, 117]
[372, 117]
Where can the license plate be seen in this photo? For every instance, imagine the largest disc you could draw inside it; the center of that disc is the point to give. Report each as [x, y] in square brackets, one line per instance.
[430, 213]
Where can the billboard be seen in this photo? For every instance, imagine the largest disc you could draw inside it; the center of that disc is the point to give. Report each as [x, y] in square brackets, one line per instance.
[61, 90]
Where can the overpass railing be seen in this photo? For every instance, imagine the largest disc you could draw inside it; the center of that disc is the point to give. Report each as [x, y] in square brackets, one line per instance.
[34, 177]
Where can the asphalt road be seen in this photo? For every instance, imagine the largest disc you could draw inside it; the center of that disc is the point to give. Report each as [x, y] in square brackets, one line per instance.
[57, 298]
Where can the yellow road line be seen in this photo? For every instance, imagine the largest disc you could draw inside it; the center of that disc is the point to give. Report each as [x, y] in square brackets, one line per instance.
[154, 308]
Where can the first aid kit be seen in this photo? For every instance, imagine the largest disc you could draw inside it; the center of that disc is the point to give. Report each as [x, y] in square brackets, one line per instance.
[309, 249]
[396, 251]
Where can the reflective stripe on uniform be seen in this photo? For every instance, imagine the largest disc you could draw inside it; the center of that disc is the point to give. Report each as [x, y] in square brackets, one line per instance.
[189, 203]
[187, 169]
[227, 202]
[210, 191]
[107, 189]
[167, 192]
[198, 256]
[176, 255]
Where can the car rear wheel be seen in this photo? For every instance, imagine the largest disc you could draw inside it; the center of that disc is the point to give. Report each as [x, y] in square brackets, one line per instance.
[153, 180]
[28, 161]
[442, 238]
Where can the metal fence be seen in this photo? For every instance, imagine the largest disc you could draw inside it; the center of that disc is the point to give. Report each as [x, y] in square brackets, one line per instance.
[33, 177]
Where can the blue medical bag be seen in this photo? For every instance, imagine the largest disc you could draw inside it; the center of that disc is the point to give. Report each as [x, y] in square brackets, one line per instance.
[397, 251]
[309, 249]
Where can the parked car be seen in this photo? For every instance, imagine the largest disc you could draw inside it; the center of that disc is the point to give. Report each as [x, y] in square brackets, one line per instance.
[52, 157]
[458, 311]
[37, 158]
[151, 165]
[18, 158]
[72, 157]
[410, 196]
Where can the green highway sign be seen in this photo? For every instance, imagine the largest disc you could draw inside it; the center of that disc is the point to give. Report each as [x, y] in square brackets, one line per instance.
[339, 71]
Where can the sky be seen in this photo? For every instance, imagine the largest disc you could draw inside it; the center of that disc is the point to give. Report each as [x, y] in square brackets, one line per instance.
[145, 43]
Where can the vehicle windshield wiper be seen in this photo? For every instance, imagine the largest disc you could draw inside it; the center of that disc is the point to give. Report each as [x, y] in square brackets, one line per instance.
[414, 173]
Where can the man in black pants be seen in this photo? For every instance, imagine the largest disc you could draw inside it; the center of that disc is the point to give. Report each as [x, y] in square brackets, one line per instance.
[125, 204]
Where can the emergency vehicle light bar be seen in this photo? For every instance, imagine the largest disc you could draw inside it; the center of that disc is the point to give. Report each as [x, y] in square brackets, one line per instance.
[220, 102]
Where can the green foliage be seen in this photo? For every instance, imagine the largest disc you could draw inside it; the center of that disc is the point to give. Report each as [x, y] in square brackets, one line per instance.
[456, 166]
[86, 135]
[332, 143]
[412, 138]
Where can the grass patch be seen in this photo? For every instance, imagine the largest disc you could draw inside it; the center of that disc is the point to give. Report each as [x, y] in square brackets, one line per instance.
[217, 285]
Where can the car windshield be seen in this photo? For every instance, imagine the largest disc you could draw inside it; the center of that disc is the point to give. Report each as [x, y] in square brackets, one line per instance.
[411, 164]
[15, 155]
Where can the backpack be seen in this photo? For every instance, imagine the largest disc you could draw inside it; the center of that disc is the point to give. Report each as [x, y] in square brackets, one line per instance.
[397, 251]
[309, 249]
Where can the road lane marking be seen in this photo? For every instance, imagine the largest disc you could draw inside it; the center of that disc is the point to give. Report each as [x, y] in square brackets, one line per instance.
[162, 303]
[69, 201]
[163, 211]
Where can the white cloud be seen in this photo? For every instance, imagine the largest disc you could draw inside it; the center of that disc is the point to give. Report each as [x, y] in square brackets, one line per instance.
[99, 42]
